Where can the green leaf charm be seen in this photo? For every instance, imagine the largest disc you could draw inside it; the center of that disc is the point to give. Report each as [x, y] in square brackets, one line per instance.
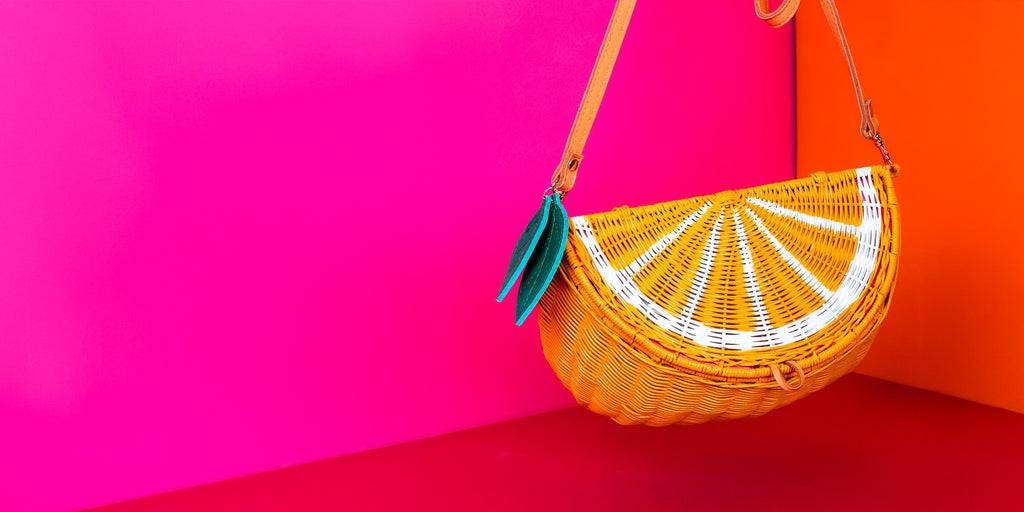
[525, 247]
[543, 263]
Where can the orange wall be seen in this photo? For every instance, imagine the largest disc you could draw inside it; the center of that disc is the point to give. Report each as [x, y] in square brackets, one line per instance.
[947, 82]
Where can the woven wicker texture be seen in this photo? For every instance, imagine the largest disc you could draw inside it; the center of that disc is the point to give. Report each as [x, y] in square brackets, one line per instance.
[676, 312]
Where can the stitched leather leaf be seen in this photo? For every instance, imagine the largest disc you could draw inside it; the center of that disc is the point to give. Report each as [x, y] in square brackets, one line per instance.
[542, 265]
[525, 247]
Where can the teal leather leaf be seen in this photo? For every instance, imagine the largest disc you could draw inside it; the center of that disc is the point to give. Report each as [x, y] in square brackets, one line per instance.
[525, 246]
[542, 265]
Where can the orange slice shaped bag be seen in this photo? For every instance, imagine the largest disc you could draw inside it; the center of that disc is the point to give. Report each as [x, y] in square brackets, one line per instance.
[724, 306]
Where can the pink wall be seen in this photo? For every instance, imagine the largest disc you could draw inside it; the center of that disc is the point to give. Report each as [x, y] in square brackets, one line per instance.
[241, 236]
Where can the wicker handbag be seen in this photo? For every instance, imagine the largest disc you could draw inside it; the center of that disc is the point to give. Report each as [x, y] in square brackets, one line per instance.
[716, 307]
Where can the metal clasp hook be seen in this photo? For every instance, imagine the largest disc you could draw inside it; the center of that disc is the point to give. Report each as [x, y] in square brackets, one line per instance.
[885, 154]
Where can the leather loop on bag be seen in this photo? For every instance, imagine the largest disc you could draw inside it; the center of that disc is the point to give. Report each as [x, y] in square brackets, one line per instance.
[777, 373]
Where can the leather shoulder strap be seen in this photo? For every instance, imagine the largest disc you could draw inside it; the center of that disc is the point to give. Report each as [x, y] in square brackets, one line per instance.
[565, 174]
[786, 11]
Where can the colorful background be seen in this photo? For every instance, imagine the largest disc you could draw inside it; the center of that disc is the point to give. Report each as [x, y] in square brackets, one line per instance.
[242, 236]
[945, 79]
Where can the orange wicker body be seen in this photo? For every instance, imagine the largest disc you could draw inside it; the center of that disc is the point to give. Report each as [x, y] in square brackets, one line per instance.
[717, 289]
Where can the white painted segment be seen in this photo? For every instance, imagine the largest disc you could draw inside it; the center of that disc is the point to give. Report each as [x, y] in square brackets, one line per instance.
[801, 271]
[818, 222]
[749, 276]
[868, 235]
[700, 281]
[641, 261]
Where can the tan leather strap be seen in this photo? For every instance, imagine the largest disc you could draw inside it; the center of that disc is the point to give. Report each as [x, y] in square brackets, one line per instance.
[785, 12]
[565, 174]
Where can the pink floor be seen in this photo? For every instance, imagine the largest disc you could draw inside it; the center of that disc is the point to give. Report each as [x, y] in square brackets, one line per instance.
[860, 444]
